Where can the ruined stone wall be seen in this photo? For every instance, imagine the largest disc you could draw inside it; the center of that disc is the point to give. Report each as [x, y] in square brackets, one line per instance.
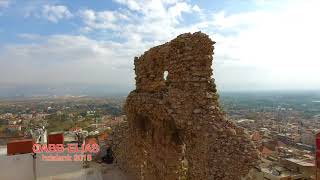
[175, 128]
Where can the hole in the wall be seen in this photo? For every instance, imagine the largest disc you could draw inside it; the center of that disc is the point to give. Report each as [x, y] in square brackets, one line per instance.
[175, 137]
[174, 132]
[142, 123]
[165, 75]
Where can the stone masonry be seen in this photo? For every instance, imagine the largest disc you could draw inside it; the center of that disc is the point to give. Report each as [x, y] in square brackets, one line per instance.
[175, 127]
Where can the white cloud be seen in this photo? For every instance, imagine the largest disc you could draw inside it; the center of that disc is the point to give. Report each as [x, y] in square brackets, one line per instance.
[132, 4]
[280, 44]
[196, 8]
[66, 59]
[239, 22]
[4, 3]
[141, 21]
[175, 12]
[101, 20]
[54, 13]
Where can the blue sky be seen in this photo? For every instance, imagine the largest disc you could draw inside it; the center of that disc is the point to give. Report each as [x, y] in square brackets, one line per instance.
[261, 44]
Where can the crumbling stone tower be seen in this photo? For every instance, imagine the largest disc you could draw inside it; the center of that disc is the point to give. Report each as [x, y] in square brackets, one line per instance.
[176, 129]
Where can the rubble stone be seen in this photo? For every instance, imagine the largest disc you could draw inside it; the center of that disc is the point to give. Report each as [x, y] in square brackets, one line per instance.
[175, 127]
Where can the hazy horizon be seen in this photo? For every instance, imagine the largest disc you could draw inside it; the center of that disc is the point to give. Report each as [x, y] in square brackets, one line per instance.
[12, 91]
[260, 45]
